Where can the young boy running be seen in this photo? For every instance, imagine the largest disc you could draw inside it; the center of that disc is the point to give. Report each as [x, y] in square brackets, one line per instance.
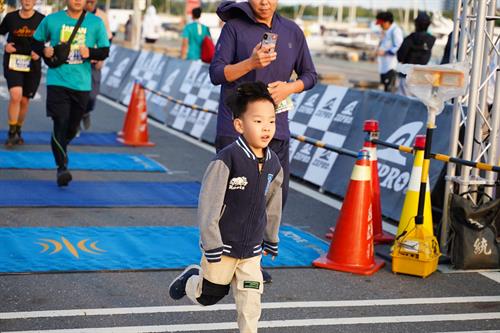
[21, 66]
[239, 211]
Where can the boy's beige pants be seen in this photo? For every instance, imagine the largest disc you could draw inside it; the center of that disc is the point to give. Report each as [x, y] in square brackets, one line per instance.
[246, 281]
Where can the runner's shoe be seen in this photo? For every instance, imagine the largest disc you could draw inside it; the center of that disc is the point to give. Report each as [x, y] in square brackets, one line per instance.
[177, 288]
[63, 177]
[11, 139]
[20, 140]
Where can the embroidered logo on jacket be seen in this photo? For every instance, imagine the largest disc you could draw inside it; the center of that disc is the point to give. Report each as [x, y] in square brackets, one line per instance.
[238, 183]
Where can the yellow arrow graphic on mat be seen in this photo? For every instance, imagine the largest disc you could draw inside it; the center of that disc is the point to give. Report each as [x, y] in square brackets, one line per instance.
[91, 248]
[57, 245]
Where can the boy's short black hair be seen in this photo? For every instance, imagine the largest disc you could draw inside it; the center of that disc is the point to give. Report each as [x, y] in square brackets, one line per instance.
[196, 12]
[246, 93]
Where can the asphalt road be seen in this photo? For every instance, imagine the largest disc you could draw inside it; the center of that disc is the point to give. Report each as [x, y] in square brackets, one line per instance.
[298, 300]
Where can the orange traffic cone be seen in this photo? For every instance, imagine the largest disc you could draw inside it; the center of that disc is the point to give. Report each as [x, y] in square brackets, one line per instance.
[379, 236]
[135, 92]
[135, 131]
[351, 249]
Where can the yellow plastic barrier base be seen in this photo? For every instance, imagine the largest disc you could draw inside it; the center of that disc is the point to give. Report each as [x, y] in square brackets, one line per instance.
[417, 254]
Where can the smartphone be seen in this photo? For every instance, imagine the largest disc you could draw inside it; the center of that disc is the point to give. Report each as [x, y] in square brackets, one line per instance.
[269, 38]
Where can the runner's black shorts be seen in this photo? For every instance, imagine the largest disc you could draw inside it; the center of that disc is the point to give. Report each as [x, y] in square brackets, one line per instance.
[66, 103]
[29, 81]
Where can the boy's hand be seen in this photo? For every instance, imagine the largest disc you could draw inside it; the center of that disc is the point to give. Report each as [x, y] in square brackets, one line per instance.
[272, 255]
[270, 248]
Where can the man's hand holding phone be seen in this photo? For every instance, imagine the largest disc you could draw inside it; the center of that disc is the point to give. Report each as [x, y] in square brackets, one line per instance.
[265, 52]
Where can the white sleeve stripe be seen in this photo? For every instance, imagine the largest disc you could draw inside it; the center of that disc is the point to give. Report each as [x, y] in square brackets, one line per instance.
[214, 254]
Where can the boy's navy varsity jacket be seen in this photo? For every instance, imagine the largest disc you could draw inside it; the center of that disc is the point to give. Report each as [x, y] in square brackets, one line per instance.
[239, 208]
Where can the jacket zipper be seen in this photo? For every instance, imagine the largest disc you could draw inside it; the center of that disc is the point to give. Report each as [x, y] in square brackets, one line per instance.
[252, 212]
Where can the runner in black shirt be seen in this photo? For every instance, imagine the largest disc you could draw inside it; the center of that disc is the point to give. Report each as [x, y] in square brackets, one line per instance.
[21, 66]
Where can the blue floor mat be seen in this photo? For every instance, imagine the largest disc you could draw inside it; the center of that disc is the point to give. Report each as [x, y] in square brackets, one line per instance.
[44, 193]
[129, 248]
[85, 139]
[80, 161]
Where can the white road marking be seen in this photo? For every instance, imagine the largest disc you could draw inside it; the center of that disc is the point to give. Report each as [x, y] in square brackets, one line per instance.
[495, 276]
[225, 307]
[488, 331]
[281, 323]
[293, 184]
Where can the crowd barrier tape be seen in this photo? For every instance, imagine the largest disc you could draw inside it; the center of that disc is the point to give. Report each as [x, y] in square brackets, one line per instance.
[330, 114]
[441, 157]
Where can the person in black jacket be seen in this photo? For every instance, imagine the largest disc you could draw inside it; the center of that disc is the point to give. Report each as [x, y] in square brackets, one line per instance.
[416, 48]
[239, 211]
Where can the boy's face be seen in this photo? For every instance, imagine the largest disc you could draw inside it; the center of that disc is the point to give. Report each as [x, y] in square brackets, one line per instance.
[257, 125]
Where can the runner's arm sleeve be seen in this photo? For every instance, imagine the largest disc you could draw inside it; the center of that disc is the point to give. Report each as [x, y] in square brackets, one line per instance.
[304, 66]
[98, 53]
[274, 204]
[37, 47]
[211, 208]
[224, 54]
[101, 51]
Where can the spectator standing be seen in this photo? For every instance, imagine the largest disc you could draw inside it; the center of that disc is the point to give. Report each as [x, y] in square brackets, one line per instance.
[69, 84]
[151, 26]
[128, 29]
[91, 7]
[21, 66]
[192, 37]
[241, 56]
[392, 37]
[416, 48]
[243, 182]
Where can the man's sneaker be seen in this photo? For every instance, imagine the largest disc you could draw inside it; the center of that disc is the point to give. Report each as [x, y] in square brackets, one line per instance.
[11, 139]
[86, 121]
[266, 276]
[63, 177]
[177, 288]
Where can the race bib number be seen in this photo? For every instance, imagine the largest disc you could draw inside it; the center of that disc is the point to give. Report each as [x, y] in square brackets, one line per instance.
[19, 62]
[74, 56]
[285, 105]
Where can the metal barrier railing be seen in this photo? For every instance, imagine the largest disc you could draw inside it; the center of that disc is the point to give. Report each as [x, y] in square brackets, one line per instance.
[343, 151]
